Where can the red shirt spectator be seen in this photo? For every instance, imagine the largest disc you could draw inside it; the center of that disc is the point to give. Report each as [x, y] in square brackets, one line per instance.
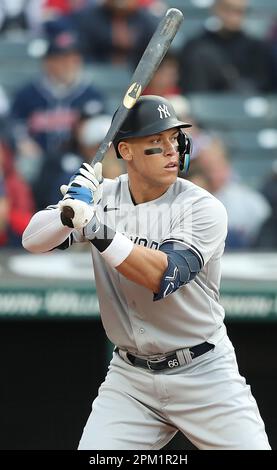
[18, 197]
[63, 7]
[165, 80]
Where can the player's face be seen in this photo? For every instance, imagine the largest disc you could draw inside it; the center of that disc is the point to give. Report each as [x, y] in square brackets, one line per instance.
[155, 158]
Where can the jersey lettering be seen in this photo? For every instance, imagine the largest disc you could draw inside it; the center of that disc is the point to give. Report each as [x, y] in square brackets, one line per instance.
[154, 245]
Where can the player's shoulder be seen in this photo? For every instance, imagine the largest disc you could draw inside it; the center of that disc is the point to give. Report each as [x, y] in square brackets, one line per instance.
[184, 189]
[193, 195]
[112, 187]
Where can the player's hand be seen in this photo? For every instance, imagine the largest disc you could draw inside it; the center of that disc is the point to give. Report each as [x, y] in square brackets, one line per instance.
[82, 194]
[87, 177]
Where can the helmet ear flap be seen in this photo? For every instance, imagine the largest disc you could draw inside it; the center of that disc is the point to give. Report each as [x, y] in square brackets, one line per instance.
[185, 148]
[186, 165]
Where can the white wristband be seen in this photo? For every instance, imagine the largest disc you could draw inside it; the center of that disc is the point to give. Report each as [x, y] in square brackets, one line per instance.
[118, 250]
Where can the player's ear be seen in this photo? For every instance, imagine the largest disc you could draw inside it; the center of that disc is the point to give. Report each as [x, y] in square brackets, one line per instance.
[125, 151]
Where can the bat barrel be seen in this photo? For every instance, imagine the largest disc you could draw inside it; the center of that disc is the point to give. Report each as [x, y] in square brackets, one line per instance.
[147, 66]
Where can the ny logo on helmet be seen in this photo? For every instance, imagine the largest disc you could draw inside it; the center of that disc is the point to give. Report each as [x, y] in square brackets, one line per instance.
[163, 110]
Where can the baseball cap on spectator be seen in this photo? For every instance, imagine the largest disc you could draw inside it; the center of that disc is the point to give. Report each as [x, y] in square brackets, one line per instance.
[62, 43]
[91, 109]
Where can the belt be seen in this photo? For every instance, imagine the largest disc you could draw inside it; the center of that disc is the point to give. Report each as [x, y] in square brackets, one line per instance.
[177, 358]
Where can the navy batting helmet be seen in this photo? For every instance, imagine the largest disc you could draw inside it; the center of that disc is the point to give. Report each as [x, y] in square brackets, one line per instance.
[151, 115]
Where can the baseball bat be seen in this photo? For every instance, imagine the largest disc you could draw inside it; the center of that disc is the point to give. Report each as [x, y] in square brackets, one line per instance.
[147, 66]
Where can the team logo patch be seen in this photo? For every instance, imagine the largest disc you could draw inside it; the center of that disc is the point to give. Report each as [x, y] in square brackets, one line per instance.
[163, 110]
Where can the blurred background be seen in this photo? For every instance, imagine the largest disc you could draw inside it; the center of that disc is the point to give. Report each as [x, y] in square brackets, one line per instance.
[64, 67]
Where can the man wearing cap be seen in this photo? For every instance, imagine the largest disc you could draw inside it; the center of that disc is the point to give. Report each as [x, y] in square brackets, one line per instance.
[115, 31]
[86, 136]
[45, 110]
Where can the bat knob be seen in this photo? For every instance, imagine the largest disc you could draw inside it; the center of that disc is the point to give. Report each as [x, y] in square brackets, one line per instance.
[68, 212]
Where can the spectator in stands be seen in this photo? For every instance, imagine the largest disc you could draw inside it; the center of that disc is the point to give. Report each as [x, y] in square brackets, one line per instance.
[87, 134]
[247, 209]
[199, 178]
[273, 49]
[16, 202]
[165, 81]
[200, 138]
[267, 237]
[146, 3]
[225, 58]
[116, 31]
[58, 15]
[18, 17]
[4, 111]
[156, 6]
[45, 110]
[4, 211]
[56, 8]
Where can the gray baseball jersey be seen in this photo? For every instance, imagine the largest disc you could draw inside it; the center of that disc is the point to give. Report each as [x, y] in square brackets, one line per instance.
[192, 314]
[205, 397]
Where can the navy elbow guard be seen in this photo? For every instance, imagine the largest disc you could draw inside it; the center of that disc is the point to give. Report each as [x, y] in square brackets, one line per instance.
[183, 266]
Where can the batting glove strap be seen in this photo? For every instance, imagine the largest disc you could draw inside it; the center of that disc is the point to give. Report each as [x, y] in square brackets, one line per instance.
[118, 250]
[113, 246]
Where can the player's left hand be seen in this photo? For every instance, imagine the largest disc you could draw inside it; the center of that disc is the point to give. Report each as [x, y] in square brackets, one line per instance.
[87, 177]
[82, 194]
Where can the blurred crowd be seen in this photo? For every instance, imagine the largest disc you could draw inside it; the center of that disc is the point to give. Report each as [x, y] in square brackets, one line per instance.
[57, 119]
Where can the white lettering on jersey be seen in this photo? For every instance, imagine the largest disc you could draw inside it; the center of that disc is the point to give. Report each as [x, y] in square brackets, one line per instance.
[163, 110]
[154, 245]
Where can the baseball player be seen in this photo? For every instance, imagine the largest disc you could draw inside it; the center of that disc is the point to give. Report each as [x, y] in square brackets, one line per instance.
[156, 243]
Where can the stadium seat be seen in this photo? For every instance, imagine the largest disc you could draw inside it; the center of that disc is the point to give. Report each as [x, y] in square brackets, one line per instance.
[17, 65]
[112, 103]
[252, 154]
[110, 79]
[252, 167]
[263, 5]
[222, 111]
[258, 24]
[12, 49]
[264, 140]
[191, 7]
[190, 28]
[194, 7]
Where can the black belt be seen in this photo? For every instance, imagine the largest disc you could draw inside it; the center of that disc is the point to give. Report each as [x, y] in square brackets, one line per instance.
[169, 361]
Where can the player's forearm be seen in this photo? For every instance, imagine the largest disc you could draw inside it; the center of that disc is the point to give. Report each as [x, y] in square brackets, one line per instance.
[45, 232]
[145, 267]
[137, 263]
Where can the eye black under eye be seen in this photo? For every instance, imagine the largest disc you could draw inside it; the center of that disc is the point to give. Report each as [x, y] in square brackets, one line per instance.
[152, 151]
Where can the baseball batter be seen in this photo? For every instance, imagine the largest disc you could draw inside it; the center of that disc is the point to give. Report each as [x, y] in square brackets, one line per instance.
[156, 242]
